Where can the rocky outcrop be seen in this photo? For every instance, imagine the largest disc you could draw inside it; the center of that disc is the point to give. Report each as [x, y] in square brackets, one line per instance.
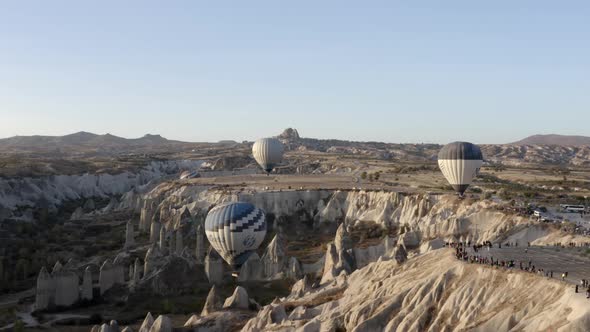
[238, 300]
[200, 248]
[147, 323]
[146, 215]
[66, 287]
[110, 274]
[410, 240]
[129, 235]
[179, 242]
[173, 275]
[58, 289]
[252, 269]
[338, 259]
[45, 292]
[213, 302]
[87, 292]
[269, 315]
[163, 238]
[435, 292]
[77, 214]
[155, 232]
[161, 324]
[56, 189]
[274, 259]
[214, 267]
[295, 270]
[137, 268]
[152, 260]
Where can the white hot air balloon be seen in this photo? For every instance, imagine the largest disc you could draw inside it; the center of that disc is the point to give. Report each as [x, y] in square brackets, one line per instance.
[460, 162]
[268, 152]
[235, 230]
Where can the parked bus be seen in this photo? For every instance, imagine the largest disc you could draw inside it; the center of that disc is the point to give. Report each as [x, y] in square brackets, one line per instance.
[572, 208]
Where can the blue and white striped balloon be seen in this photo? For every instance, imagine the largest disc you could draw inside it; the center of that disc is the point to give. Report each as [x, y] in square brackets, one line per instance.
[235, 230]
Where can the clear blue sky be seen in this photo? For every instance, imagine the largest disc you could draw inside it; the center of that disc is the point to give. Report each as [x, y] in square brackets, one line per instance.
[413, 71]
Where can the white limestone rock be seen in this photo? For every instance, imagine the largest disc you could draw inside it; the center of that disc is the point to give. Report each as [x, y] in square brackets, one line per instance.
[66, 287]
[200, 248]
[214, 267]
[129, 235]
[153, 259]
[213, 302]
[238, 300]
[155, 232]
[45, 291]
[163, 237]
[162, 324]
[87, 285]
[269, 315]
[114, 326]
[410, 239]
[179, 242]
[295, 270]
[274, 260]
[147, 323]
[252, 269]
[336, 261]
[77, 214]
[431, 245]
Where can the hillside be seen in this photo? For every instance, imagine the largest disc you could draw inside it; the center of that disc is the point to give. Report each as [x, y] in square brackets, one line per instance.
[560, 140]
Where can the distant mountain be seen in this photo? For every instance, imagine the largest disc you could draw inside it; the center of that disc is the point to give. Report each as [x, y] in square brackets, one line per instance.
[559, 140]
[82, 142]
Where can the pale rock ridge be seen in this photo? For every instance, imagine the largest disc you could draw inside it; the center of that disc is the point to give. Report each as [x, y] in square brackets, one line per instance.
[155, 232]
[162, 324]
[66, 286]
[56, 189]
[214, 267]
[252, 269]
[213, 302]
[111, 274]
[162, 242]
[77, 214]
[129, 235]
[238, 300]
[435, 292]
[152, 260]
[270, 315]
[147, 323]
[179, 242]
[274, 259]
[200, 248]
[87, 285]
[45, 293]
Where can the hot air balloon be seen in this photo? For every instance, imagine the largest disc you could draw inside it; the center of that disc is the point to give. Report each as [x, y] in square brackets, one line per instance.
[268, 152]
[460, 163]
[235, 230]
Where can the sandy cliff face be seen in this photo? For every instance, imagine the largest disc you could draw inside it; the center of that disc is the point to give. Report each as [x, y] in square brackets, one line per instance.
[433, 292]
[428, 216]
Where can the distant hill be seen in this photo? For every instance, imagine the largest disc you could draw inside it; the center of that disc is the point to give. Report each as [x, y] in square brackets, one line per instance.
[81, 142]
[560, 140]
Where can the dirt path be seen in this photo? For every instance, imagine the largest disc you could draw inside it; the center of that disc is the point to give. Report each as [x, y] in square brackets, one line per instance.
[554, 259]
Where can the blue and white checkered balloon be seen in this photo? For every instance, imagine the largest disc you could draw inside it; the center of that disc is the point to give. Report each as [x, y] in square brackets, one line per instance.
[235, 230]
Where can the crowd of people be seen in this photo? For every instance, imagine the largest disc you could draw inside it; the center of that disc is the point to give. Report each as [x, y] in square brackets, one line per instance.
[461, 252]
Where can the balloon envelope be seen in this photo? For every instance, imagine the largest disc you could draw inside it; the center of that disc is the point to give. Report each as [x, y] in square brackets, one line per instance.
[268, 152]
[460, 162]
[235, 230]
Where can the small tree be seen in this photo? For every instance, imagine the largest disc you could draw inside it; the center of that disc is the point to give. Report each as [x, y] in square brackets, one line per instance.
[364, 175]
